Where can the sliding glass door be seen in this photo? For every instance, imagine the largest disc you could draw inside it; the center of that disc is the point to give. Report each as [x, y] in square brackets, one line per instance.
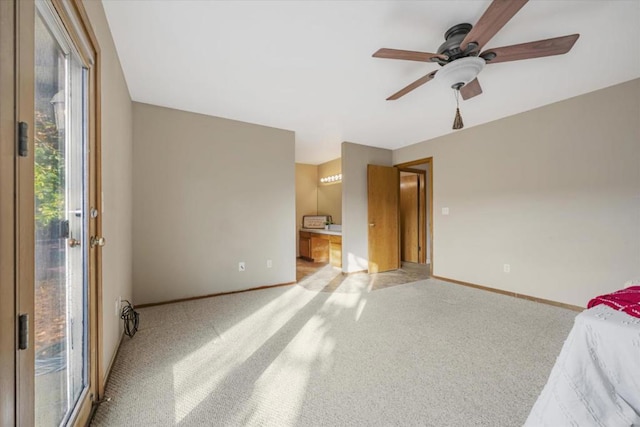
[61, 222]
[49, 188]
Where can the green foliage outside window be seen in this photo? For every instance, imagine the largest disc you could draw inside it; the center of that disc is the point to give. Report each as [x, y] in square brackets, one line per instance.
[49, 170]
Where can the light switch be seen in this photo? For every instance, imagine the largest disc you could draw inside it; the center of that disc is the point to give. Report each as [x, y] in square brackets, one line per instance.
[445, 211]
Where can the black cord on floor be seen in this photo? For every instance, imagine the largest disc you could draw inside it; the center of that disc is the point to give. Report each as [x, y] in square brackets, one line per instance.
[131, 319]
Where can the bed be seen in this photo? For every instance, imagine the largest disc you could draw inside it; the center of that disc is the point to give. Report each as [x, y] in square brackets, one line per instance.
[596, 378]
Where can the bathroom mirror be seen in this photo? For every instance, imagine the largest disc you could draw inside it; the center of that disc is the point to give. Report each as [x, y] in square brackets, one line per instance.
[330, 201]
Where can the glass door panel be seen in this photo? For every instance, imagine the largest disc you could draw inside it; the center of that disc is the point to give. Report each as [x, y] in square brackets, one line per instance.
[61, 255]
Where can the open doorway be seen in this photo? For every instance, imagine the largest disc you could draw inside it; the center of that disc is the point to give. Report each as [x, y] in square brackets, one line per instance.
[412, 216]
[416, 213]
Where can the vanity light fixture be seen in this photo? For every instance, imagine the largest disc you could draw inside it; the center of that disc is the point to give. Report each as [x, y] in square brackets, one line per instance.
[331, 179]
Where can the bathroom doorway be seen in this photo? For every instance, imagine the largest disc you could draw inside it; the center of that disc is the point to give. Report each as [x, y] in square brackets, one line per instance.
[413, 224]
[416, 212]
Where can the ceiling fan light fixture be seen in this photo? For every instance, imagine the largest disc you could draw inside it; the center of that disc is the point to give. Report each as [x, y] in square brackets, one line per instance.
[461, 70]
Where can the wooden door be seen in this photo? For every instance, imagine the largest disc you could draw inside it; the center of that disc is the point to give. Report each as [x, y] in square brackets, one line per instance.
[426, 206]
[422, 218]
[383, 197]
[409, 217]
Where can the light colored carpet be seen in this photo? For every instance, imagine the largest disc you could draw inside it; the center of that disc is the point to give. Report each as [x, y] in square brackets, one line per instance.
[427, 353]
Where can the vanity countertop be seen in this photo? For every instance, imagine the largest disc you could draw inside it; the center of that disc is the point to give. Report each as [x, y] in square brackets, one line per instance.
[322, 231]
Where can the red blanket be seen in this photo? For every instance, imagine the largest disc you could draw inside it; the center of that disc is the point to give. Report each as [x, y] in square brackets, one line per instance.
[627, 300]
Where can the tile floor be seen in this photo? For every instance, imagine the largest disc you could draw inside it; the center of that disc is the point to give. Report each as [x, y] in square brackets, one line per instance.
[323, 277]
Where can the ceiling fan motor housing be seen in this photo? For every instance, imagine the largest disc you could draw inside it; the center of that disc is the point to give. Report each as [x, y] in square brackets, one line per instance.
[451, 47]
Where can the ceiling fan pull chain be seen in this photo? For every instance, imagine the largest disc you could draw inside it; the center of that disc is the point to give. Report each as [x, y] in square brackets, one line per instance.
[457, 121]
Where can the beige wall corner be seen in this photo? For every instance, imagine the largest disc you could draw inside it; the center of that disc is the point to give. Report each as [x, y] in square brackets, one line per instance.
[117, 186]
[208, 194]
[332, 167]
[355, 230]
[553, 192]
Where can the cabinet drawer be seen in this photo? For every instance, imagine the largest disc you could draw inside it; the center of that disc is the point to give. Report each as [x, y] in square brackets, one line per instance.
[319, 249]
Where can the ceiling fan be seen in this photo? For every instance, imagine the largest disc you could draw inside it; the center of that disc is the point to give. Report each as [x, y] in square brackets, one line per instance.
[460, 55]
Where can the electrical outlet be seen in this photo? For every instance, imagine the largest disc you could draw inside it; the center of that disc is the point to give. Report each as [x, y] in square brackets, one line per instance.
[269, 263]
[507, 268]
[241, 266]
[445, 211]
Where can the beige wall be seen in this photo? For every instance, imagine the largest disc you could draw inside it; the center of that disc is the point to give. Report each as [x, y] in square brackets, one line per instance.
[209, 193]
[554, 192]
[306, 194]
[330, 194]
[355, 220]
[116, 183]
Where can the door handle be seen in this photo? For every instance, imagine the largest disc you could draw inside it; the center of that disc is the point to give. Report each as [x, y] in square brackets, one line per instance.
[97, 241]
[74, 242]
[372, 224]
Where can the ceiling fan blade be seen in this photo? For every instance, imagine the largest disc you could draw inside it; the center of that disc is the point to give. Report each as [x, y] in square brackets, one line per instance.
[494, 18]
[537, 49]
[412, 86]
[471, 89]
[407, 54]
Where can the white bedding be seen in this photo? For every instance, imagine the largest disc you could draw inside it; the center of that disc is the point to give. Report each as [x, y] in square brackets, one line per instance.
[596, 378]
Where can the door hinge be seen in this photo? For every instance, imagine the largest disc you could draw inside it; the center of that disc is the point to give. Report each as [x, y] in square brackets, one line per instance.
[23, 331]
[23, 139]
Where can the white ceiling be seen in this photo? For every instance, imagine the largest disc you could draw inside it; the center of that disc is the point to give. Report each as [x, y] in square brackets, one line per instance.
[306, 66]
